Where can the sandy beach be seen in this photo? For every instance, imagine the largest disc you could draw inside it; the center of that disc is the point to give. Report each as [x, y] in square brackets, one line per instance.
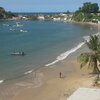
[49, 86]
[41, 81]
[40, 44]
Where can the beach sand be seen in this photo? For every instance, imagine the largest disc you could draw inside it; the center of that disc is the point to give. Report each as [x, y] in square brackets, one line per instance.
[50, 87]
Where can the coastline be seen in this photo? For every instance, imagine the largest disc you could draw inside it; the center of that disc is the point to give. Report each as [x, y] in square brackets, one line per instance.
[47, 76]
[51, 87]
[85, 23]
[49, 71]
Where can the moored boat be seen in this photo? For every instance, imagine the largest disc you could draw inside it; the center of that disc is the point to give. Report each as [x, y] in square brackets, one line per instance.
[18, 53]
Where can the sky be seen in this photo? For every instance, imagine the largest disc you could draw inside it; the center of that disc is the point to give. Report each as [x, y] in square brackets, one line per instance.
[43, 5]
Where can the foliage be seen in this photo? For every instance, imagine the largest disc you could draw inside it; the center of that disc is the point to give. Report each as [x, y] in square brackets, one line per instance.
[96, 17]
[78, 16]
[94, 43]
[89, 7]
[91, 58]
[67, 12]
[4, 14]
[86, 12]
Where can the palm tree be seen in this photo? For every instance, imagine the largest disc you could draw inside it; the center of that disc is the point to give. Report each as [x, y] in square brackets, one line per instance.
[92, 57]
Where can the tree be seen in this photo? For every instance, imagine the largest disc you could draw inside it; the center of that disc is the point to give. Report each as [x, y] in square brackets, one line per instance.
[78, 16]
[86, 12]
[94, 8]
[89, 7]
[86, 7]
[93, 57]
[87, 16]
[68, 12]
[4, 14]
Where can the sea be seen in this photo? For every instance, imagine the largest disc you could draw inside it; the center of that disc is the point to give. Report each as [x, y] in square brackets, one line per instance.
[44, 43]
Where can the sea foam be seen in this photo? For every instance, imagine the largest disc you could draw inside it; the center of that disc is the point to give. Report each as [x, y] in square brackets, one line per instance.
[28, 72]
[66, 54]
[87, 38]
[1, 81]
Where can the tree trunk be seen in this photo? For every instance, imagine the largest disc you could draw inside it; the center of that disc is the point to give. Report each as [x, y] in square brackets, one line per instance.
[96, 69]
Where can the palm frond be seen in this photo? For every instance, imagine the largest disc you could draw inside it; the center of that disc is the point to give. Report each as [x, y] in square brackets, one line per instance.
[83, 59]
[98, 57]
[94, 43]
[91, 58]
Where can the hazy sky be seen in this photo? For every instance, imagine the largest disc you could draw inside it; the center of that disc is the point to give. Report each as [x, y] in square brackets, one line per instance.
[43, 5]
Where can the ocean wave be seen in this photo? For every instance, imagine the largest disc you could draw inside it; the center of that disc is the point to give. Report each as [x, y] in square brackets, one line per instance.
[28, 72]
[87, 38]
[66, 54]
[1, 81]
[97, 34]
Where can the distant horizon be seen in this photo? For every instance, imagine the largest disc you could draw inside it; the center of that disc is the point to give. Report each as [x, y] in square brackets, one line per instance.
[41, 12]
[44, 5]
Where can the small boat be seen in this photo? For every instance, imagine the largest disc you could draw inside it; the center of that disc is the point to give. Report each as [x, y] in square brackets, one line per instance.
[18, 24]
[23, 31]
[18, 53]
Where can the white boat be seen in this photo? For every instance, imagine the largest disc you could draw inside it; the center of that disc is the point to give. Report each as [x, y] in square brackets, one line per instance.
[18, 53]
[18, 25]
[23, 31]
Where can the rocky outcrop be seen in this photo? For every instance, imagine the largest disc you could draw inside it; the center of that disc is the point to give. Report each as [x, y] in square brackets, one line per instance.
[4, 14]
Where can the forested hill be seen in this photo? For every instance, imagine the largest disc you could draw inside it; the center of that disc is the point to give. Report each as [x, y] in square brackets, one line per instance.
[87, 12]
[4, 14]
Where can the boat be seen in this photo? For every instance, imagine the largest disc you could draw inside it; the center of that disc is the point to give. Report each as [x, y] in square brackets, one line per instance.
[23, 31]
[18, 24]
[18, 53]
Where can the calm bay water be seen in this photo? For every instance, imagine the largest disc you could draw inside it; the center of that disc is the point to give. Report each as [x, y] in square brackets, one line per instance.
[42, 41]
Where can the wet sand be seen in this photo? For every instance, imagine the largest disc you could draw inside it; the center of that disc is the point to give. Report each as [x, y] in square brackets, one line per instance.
[47, 84]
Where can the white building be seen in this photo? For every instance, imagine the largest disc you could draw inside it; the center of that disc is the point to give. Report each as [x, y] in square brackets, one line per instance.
[41, 17]
[56, 19]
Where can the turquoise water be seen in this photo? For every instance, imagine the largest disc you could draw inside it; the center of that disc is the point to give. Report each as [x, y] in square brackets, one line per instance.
[42, 41]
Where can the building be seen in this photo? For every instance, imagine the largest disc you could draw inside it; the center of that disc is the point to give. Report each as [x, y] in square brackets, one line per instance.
[41, 17]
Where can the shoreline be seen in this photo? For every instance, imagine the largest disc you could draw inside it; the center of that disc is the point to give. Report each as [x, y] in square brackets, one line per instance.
[86, 23]
[51, 86]
[45, 74]
[48, 78]
[58, 59]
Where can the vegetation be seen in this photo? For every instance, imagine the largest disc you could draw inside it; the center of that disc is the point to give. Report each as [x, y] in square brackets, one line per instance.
[4, 14]
[93, 57]
[89, 7]
[87, 12]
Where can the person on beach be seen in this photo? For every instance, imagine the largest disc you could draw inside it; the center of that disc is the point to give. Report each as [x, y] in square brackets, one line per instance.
[60, 75]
